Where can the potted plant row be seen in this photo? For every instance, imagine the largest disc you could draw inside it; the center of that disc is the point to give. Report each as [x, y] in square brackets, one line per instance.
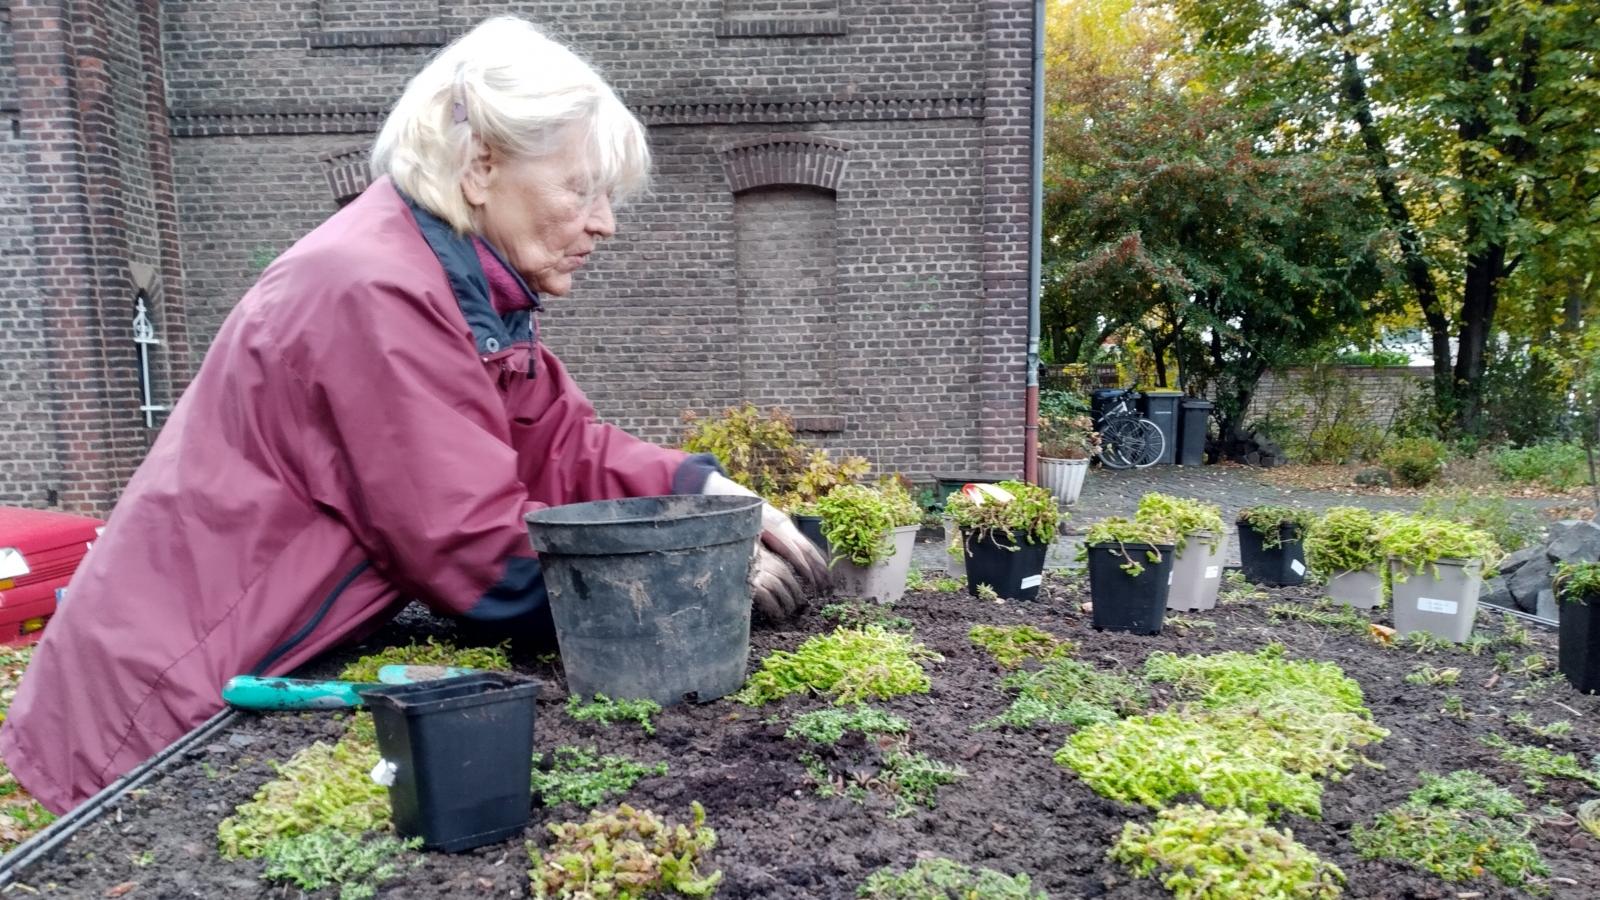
[870, 532]
[1006, 528]
[1130, 573]
[1270, 544]
[1577, 587]
[1197, 556]
[1345, 545]
[1436, 567]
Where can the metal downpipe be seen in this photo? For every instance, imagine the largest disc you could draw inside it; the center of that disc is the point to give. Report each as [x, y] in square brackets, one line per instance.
[1030, 444]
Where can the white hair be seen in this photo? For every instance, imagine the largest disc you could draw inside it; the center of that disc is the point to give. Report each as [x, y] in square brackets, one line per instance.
[518, 91]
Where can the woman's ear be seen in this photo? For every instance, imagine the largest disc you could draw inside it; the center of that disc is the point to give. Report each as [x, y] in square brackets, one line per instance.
[478, 179]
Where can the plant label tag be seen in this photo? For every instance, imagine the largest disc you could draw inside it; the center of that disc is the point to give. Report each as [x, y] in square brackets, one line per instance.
[1429, 604]
[1213, 571]
[1169, 578]
[1298, 566]
[1031, 581]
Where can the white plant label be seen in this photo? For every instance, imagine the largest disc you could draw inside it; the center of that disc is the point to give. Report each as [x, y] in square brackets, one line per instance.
[1031, 581]
[1428, 604]
[1298, 566]
[383, 773]
[1169, 579]
[1213, 571]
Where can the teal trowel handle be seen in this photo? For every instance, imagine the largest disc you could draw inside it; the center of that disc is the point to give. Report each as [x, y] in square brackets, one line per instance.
[253, 692]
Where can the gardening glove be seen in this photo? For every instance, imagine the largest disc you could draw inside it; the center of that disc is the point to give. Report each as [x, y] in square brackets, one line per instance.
[785, 561]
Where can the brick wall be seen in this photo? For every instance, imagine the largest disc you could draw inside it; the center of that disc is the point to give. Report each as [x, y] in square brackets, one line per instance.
[900, 127]
[1381, 390]
[90, 130]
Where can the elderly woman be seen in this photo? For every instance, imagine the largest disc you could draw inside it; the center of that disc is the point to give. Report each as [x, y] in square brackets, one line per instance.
[370, 426]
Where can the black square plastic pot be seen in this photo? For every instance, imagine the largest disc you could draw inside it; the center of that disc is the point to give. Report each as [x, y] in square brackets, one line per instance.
[811, 527]
[1283, 565]
[462, 749]
[1123, 602]
[1013, 570]
[1578, 646]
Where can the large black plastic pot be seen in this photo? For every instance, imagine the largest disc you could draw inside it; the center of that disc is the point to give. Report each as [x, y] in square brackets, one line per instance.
[1283, 565]
[811, 527]
[461, 751]
[1123, 602]
[1013, 570]
[1578, 647]
[651, 595]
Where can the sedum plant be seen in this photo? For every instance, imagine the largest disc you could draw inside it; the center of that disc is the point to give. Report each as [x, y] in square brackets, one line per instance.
[1270, 522]
[858, 519]
[1009, 513]
[1119, 532]
[1418, 543]
[625, 854]
[1068, 692]
[1460, 827]
[327, 857]
[430, 653]
[828, 726]
[1544, 762]
[605, 711]
[1577, 582]
[946, 879]
[584, 778]
[1011, 644]
[850, 665]
[1343, 539]
[1207, 854]
[321, 787]
[1182, 517]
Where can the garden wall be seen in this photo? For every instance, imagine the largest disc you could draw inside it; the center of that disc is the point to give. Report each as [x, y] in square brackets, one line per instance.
[1381, 389]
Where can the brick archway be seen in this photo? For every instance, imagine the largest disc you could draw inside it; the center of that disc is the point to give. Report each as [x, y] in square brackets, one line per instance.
[797, 159]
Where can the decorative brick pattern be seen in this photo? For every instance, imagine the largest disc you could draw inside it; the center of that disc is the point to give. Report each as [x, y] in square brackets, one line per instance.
[784, 159]
[348, 173]
[377, 37]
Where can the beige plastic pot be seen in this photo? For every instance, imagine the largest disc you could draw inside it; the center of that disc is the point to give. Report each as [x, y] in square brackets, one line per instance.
[1441, 600]
[1196, 573]
[1358, 588]
[885, 580]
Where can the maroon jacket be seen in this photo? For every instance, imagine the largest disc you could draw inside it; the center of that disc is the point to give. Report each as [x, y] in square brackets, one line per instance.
[371, 424]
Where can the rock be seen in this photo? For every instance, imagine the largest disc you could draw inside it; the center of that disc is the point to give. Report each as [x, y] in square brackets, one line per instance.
[1579, 543]
[1533, 577]
[1375, 476]
[1253, 458]
[1517, 560]
[1496, 592]
[1545, 605]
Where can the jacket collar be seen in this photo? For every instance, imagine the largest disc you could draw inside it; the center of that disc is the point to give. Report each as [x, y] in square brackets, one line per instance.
[497, 304]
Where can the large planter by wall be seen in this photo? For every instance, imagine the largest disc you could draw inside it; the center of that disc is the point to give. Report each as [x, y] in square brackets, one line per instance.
[1441, 600]
[1196, 573]
[1361, 588]
[885, 580]
[1063, 477]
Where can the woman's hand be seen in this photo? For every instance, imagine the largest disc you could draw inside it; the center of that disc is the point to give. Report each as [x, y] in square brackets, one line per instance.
[786, 562]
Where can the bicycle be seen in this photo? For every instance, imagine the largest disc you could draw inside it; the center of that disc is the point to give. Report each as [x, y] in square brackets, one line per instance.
[1127, 439]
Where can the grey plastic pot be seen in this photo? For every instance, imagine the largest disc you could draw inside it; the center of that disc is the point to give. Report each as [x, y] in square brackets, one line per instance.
[1441, 600]
[1358, 588]
[955, 563]
[885, 580]
[651, 595]
[1196, 573]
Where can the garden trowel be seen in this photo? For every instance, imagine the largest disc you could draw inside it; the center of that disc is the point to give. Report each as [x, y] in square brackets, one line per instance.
[257, 692]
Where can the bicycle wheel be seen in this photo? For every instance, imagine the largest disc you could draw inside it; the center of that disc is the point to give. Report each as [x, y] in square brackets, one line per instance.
[1152, 445]
[1121, 442]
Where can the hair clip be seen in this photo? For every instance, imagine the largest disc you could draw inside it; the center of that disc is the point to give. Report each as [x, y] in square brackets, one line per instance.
[458, 111]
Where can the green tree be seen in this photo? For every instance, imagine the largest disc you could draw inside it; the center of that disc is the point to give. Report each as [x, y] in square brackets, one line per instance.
[1166, 215]
[1478, 124]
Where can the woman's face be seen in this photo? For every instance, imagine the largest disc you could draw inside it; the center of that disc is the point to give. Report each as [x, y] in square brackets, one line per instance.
[544, 215]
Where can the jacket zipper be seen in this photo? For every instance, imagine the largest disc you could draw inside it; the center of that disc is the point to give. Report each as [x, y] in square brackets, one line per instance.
[306, 629]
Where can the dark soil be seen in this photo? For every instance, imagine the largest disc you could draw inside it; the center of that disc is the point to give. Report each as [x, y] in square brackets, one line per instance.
[1017, 812]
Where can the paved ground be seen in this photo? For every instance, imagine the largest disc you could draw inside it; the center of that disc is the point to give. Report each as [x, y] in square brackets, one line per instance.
[1108, 492]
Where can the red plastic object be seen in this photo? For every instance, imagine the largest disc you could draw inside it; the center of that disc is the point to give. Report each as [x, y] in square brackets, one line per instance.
[39, 551]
